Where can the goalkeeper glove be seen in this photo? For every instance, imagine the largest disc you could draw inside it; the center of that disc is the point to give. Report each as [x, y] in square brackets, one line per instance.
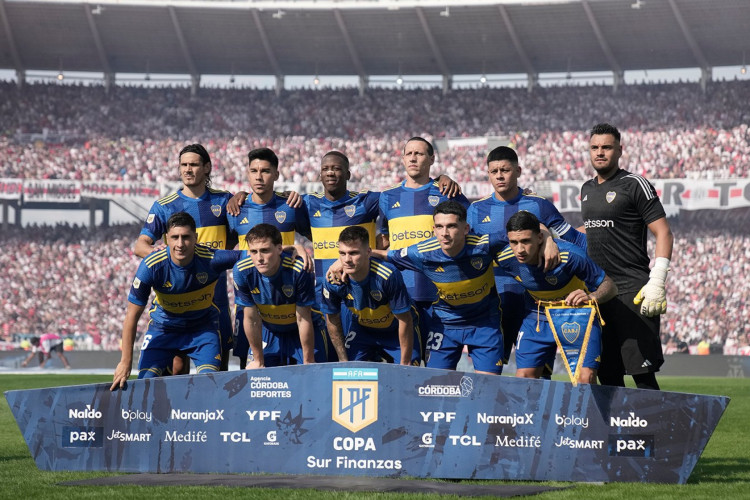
[652, 297]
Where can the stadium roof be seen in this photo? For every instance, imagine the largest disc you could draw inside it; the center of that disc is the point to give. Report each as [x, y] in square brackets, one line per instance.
[371, 37]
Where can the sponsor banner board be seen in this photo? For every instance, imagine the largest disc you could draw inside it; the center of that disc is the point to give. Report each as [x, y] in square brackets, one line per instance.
[369, 419]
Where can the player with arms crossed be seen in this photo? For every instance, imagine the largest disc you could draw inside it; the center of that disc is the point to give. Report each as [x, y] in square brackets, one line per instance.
[384, 318]
[618, 210]
[277, 294]
[208, 207]
[467, 310]
[575, 282]
[184, 318]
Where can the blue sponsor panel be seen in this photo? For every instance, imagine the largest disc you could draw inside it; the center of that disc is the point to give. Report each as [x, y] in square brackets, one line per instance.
[369, 419]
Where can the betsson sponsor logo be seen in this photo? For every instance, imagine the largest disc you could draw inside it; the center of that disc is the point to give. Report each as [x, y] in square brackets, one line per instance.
[598, 223]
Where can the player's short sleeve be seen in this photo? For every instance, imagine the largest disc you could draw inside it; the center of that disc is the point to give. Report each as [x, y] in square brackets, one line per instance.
[383, 217]
[647, 201]
[398, 299]
[462, 199]
[225, 259]
[553, 219]
[242, 295]
[140, 287]
[302, 221]
[406, 258]
[305, 286]
[585, 268]
[155, 224]
[331, 303]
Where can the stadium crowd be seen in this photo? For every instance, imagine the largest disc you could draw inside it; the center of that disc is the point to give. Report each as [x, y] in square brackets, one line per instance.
[74, 280]
[132, 134]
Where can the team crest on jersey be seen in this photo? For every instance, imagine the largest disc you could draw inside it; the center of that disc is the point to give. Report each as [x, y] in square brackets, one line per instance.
[571, 331]
[376, 294]
[280, 216]
[433, 200]
[288, 290]
[216, 210]
[552, 280]
[477, 263]
[136, 283]
[202, 277]
[150, 218]
[611, 196]
[350, 210]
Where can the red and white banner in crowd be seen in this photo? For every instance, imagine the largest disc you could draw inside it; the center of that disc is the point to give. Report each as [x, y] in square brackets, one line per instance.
[51, 190]
[675, 194]
[112, 189]
[11, 189]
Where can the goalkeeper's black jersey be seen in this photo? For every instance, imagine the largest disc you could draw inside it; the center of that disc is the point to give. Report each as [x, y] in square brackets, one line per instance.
[616, 214]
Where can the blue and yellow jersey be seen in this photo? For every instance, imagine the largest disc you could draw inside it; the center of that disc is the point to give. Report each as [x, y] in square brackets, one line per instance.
[276, 212]
[406, 218]
[576, 271]
[466, 293]
[210, 214]
[277, 296]
[490, 215]
[373, 301]
[327, 220]
[184, 296]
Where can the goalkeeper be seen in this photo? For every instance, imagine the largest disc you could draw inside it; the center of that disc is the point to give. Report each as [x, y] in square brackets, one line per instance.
[619, 209]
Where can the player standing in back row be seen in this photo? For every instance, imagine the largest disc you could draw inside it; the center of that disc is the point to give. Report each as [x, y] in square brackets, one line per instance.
[617, 207]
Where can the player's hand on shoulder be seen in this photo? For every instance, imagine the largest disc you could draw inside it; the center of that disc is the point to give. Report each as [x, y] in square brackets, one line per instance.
[235, 202]
[294, 199]
[448, 186]
[335, 274]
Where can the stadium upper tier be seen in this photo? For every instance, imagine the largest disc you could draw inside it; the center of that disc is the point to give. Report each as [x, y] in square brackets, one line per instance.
[133, 133]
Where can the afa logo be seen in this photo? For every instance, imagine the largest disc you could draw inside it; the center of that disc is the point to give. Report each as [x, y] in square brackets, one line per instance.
[570, 331]
[355, 397]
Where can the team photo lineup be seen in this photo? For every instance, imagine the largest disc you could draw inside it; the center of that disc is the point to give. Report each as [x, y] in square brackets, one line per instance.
[415, 274]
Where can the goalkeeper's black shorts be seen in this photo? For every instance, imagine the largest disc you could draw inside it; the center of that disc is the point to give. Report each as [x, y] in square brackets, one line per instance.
[631, 344]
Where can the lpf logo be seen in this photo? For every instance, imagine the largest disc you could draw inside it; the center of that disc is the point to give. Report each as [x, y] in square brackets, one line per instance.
[355, 397]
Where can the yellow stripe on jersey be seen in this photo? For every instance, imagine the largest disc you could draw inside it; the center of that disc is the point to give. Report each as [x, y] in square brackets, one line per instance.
[382, 317]
[325, 240]
[428, 246]
[505, 255]
[217, 191]
[186, 302]
[392, 187]
[284, 314]
[476, 239]
[380, 270]
[203, 251]
[168, 199]
[560, 294]
[471, 291]
[213, 237]
[157, 257]
[246, 263]
[405, 231]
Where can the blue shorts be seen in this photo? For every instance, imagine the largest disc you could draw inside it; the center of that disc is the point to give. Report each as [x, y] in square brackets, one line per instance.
[282, 349]
[159, 348]
[366, 344]
[484, 341]
[535, 349]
